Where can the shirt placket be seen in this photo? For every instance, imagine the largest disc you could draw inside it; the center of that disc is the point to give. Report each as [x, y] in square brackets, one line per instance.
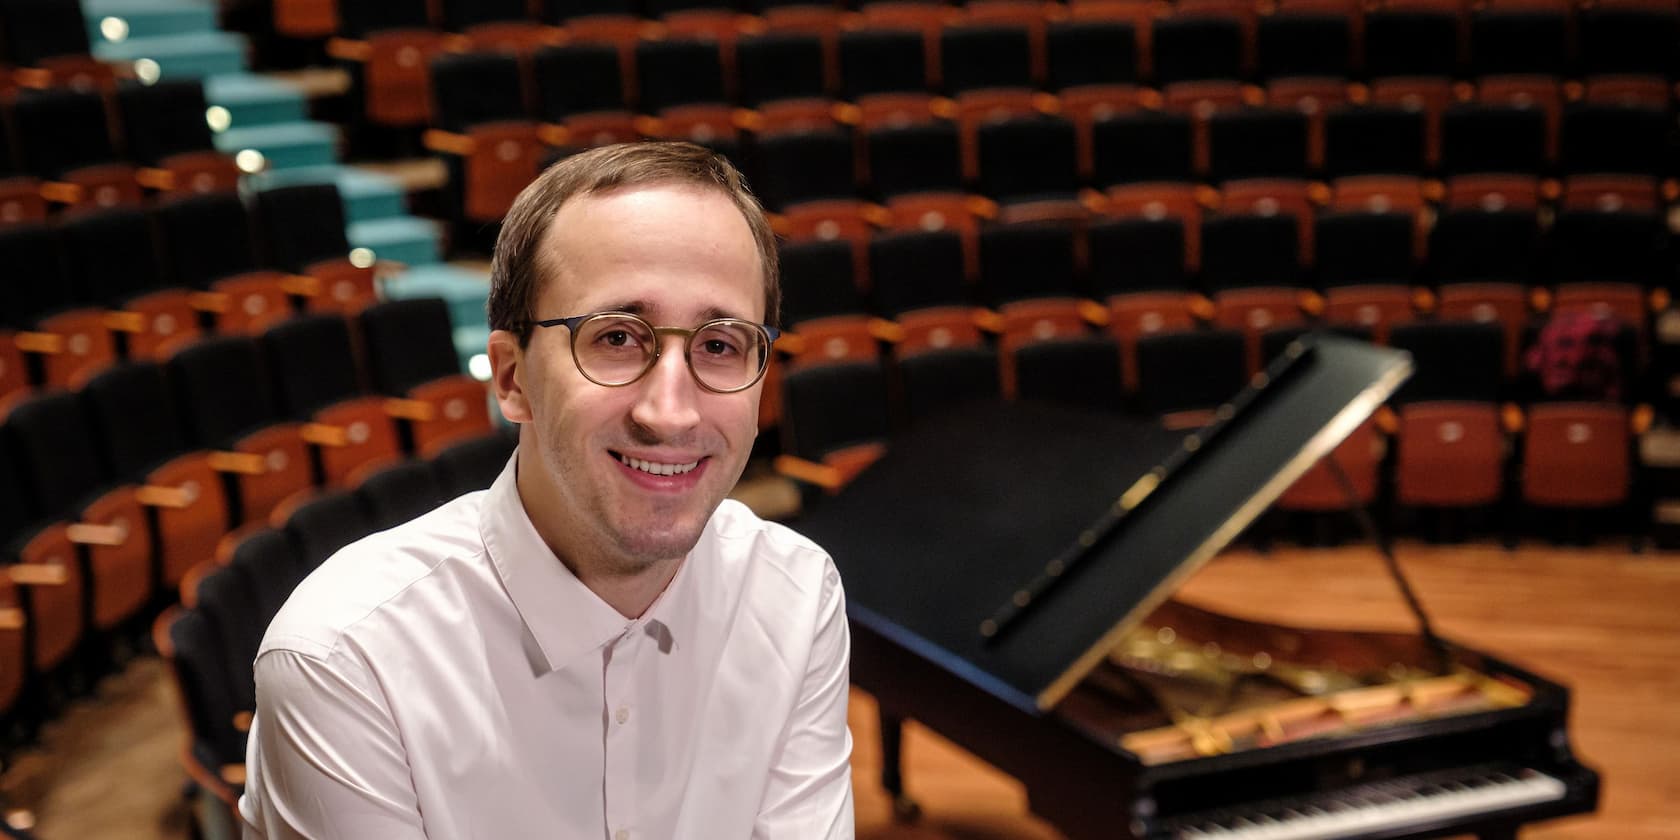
[620, 776]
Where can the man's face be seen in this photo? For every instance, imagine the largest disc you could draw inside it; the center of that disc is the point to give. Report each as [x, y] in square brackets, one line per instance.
[675, 255]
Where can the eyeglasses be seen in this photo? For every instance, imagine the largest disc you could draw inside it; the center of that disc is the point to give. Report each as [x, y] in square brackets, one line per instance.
[616, 348]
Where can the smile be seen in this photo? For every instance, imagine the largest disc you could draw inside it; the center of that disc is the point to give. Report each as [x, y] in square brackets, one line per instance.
[654, 468]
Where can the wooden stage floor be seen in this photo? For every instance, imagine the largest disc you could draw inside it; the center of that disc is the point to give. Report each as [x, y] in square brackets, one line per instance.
[1601, 620]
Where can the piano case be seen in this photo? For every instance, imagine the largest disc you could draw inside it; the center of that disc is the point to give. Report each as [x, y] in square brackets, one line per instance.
[1008, 575]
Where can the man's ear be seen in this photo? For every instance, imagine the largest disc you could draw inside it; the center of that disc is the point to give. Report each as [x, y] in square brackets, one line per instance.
[507, 376]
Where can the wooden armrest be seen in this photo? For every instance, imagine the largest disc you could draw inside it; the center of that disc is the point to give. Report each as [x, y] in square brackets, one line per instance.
[1659, 300]
[883, 330]
[649, 126]
[37, 574]
[747, 119]
[322, 434]
[242, 721]
[128, 322]
[1094, 313]
[87, 533]
[217, 302]
[1046, 103]
[242, 463]
[944, 108]
[554, 135]
[419, 411]
[1311, 303]
[174, 498]
[154, 178]
[1201, 308]
[983, 207]
[989, 321]
[349, 50]
[1388, 421]
[1423, 300]
[1093, 201]
[11, 618]
[877, 215]
[233, 774]
[1208, 197]
[1640, 420]
[301, 285]
[845, 113]
[810, 472]
[790, 343]
[1512, 418]
[39, 342]
[448, 142]
[1540, 300]
[59, 192]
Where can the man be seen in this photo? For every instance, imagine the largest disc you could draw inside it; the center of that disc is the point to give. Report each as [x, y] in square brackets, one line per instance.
[600, 645]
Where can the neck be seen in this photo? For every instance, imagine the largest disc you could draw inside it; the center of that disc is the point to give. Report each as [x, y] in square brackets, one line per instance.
[625, 584]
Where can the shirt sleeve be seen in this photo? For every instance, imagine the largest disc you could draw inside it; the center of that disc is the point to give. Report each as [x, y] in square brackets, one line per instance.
[809, 794]
[325, 759]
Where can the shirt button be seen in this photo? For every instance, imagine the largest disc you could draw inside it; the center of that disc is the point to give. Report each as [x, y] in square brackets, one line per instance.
[623, 717]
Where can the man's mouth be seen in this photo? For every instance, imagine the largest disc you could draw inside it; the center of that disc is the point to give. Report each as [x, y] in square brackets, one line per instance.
[654, 467]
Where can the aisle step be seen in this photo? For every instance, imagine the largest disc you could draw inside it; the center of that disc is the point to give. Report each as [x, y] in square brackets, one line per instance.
[404, 239]
[284, 145]
[188, 56]
[252, 100]
[116, 21]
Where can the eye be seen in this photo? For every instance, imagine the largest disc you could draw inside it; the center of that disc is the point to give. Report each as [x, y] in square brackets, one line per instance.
[718, 347]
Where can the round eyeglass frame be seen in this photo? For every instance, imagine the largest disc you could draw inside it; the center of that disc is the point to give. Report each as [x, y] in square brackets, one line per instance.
[572, 323]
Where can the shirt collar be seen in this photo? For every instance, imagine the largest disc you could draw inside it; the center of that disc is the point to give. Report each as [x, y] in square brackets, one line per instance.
[565, 619]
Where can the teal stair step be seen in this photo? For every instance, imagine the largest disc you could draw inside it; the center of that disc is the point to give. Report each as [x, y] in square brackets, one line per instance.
[190, 56]
[116, 21]
[463, 289]
[251, 100]
[402, 239]
[367, 195]
[284, 145]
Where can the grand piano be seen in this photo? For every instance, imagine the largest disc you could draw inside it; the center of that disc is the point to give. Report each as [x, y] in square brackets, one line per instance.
[1009, 574]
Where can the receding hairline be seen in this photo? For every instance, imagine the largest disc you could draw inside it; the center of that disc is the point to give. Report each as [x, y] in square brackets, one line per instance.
[547, 261]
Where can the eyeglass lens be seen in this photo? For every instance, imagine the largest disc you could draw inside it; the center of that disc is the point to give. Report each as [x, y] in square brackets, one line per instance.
[616, 350]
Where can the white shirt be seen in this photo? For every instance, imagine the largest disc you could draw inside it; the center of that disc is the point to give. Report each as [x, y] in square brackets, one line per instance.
[450, 678]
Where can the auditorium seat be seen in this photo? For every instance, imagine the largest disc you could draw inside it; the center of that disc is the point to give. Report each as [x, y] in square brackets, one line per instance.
[112, 261]
[582, 95]
[784, 78]
[885, 73]
[311, 364]
[835, 419]
[823, 311]
[223, 396]
[491, 146]
[319, 524]
[113, 536]
[165, 130]
[1185, 375]
[473, 463]
[208, 245]
[139, 433]
[1136, 268]
[1142, 162]
[388, 46]
[46, 327]
[411, 357]
[682, 92]
[1365, 266]
[1451, 440]
[301, 230]
[915, 170]
[399, 492]
[1251, 269]
[65, 139]
[213, 752]
[1029, 166]
[808, 182]
[497, 25]
[918, 281]
[1094, 72]
[39, 559]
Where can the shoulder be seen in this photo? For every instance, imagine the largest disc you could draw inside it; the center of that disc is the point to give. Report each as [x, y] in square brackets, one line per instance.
[370, 577]
[770, 554]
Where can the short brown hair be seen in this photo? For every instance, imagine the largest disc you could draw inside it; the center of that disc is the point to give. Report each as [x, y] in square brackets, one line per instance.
[516, 270]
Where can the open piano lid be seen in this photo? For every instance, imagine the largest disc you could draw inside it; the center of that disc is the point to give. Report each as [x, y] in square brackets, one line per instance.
[933, 556]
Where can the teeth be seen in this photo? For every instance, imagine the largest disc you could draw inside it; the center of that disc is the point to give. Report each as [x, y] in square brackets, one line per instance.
[654, 468]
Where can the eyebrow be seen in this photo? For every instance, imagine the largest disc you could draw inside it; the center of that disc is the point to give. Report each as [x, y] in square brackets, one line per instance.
[641, 308]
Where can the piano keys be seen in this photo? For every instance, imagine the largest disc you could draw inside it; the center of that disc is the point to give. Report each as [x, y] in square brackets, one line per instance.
[1009, 576]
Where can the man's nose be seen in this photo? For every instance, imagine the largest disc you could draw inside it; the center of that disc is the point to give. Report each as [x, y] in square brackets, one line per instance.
[668, 401]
